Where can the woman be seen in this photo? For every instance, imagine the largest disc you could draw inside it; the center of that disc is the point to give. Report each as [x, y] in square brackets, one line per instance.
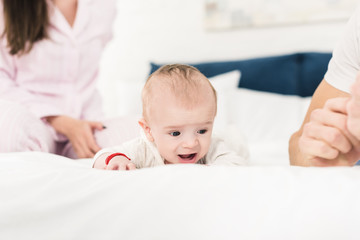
[49, 57]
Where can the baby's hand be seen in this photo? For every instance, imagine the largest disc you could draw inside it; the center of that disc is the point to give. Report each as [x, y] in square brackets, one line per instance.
[353, 109]
[120, 163]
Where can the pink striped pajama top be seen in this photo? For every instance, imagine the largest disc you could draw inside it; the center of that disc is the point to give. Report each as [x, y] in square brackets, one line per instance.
[58, 76]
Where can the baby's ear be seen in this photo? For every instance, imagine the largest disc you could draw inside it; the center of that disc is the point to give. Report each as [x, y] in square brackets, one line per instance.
[146, 128]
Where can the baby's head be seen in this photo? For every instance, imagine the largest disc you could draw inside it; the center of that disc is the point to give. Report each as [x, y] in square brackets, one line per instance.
[179, 108]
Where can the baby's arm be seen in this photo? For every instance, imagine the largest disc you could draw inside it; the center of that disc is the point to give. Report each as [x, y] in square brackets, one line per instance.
[113, 161]
[114, 158]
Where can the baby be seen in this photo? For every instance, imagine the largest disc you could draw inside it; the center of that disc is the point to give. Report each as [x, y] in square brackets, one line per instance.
[179, 108]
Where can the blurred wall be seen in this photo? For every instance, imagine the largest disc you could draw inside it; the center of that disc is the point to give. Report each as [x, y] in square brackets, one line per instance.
[173, 31]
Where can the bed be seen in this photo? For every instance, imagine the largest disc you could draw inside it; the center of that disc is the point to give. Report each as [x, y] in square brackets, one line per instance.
[45, 196]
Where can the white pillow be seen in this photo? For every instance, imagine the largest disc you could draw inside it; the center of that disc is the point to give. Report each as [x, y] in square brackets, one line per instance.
[267, 120]
[267, 116]
[224, 84]
[129, 98]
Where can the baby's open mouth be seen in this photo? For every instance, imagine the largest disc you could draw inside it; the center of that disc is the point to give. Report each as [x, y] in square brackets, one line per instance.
[187, 157]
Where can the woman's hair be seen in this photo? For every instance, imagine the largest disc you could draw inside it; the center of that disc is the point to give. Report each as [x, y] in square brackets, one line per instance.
[26, 22]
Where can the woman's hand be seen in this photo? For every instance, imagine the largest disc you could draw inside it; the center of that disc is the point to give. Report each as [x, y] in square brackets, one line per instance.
[326, 140]
[79, 132]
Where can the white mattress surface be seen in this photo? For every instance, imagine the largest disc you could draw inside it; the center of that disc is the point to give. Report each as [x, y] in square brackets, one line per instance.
[44, 196]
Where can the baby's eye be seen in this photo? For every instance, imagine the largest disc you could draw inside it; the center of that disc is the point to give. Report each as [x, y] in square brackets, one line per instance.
[202, 131]
[175, 134]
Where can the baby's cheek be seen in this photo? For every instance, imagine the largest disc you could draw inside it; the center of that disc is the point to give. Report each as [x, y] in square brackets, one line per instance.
[205, 148]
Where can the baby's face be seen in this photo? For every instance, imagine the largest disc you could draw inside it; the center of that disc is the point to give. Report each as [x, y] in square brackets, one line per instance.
[182, 134]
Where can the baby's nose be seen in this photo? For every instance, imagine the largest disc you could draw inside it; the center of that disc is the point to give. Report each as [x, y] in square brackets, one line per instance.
[190, 142]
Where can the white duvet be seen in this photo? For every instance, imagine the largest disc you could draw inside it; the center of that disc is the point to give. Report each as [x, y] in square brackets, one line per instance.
[44, 196]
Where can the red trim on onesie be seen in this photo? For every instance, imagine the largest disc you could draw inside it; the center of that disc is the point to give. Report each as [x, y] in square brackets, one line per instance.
[108, 159]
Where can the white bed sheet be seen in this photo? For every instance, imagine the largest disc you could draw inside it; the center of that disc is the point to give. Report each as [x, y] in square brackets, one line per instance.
[44, 196]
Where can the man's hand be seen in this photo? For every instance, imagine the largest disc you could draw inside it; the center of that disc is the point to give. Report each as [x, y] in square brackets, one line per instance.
[353, 109]
[79, 132]
[326, 140]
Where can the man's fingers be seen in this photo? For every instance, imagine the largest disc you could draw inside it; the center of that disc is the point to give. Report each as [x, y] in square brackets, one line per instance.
[353, 108]
[338, 105]
[321, 162]
[335, 119]
[330, 135]
[329, 118]
[355, 90]
[316, 148]
[341, 160]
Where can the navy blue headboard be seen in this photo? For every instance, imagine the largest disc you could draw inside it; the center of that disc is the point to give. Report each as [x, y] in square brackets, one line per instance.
[291, 74]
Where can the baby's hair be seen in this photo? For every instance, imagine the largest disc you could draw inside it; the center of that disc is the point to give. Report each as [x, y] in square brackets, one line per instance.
[182, 80]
